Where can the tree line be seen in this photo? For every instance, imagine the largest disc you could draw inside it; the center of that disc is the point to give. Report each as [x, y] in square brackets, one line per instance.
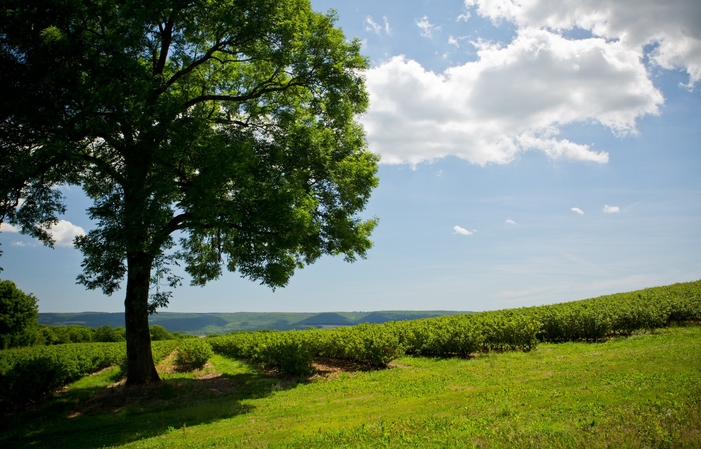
[19, 325]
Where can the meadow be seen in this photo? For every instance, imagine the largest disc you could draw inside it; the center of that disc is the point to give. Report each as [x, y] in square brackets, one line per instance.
[632, 387]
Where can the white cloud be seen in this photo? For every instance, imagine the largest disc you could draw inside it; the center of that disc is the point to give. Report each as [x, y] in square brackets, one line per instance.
[510, 221]
[374, 27]
[460, 230]
[611, 209]
[673, 26]
[453, 41]
[512, 99]
[5, 227]
[464, 16]
[426, 27]
[577, 210]
[64, 232]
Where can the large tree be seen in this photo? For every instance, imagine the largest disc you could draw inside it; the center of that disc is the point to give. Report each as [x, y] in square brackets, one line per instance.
[218, 133]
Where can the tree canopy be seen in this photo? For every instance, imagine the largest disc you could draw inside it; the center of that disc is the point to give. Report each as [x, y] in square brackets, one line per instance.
[18, 316]
[216, 133]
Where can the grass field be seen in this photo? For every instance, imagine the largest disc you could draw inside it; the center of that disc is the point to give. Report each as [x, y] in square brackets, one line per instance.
[640, 391]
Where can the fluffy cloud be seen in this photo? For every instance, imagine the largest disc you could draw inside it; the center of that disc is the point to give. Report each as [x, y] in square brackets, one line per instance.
[427, 28]
[460, 230]
[512, 99]
[611, 209]
[510, 221]
[372, 26]
[64, 232]
[672, 26]
[577, 210]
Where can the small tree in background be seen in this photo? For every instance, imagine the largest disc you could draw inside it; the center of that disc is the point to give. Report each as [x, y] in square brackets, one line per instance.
[160, 333]
[107, 334]
[19, 313]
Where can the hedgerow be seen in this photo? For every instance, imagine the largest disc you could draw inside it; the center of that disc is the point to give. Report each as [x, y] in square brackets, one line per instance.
[28, 374]
[292, 352]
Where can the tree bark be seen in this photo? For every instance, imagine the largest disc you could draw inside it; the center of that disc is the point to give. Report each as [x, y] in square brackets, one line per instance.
[140, 366]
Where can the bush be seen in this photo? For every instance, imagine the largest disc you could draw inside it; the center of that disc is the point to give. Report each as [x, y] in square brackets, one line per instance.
[160, 333]
[193, 353]
[109, 334]
[28, 374]
[57, 335]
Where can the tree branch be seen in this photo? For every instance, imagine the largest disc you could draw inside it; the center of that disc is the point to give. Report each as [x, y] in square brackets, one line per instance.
[166, 39]
[207, 56]
[257, 92]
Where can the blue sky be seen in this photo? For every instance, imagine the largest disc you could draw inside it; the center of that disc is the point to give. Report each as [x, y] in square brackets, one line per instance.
[532, 152]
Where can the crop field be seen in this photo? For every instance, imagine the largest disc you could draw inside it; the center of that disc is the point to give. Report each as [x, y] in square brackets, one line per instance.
[617, 371]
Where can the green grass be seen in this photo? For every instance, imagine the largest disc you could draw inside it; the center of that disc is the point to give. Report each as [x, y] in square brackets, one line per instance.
[641, 391]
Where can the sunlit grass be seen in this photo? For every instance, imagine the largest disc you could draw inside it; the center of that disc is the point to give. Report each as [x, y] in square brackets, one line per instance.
[642, 391]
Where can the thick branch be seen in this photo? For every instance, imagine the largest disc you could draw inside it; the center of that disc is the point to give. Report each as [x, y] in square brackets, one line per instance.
[166, 38]
[257, 92]
[207, 56]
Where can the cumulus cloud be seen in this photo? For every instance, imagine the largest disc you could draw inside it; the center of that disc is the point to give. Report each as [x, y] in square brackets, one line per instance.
[453, 41]
[64, 232]
[514, 98]
[611, 209]
[510, 221]
[672, 26]
[427, 28]
[460, 230]
[577, 210]
[374, 27]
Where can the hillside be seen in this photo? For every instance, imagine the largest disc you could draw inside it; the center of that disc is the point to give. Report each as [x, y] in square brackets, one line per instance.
[222, 323]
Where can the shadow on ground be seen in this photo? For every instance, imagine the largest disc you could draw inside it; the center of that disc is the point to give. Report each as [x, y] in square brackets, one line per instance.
[99, 416]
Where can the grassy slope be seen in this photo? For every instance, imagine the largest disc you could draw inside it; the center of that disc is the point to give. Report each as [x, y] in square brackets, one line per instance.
[642, 391]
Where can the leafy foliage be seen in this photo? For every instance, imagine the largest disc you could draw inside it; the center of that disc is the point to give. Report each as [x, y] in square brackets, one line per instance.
[18, 316]
[56, 335]
[159, 333]
[28, 374]
[193, 353]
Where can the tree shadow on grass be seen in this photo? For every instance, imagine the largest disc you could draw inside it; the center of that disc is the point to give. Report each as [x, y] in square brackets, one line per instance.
[98, 416]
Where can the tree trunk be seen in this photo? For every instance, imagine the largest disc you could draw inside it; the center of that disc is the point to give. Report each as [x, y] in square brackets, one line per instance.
[140, 367]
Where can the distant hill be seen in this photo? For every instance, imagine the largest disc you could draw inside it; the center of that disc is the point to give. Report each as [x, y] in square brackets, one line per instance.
[326, 319]
[222, 323]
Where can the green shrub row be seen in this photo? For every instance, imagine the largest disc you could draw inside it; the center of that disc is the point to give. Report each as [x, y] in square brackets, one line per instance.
[292, 352]
[193, 353]
[28, 374]
[619, 314]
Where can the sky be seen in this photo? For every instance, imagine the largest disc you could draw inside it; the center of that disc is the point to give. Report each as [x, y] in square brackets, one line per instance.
[532, 152]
